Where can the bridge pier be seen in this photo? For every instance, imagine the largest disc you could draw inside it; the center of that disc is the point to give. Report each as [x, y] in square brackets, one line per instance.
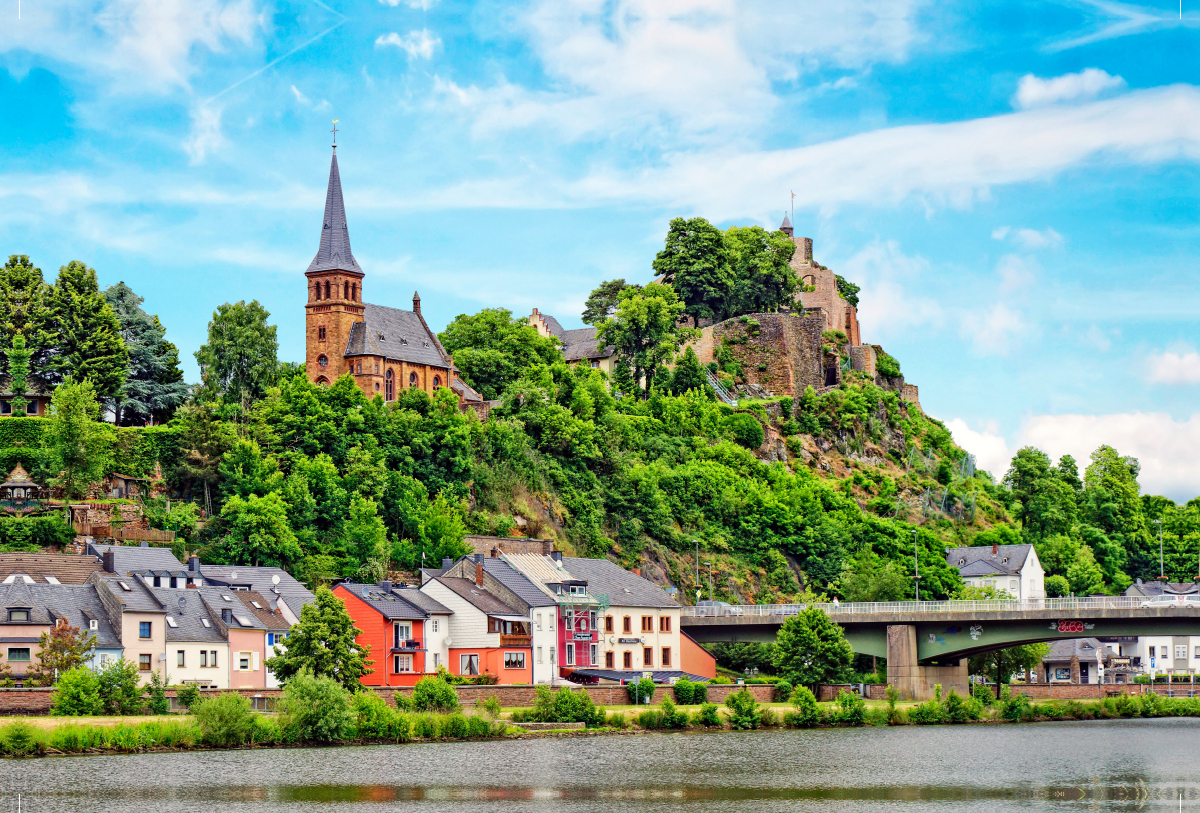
[911, 679]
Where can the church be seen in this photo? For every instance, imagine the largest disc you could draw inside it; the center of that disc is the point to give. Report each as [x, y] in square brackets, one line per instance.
[383, 348]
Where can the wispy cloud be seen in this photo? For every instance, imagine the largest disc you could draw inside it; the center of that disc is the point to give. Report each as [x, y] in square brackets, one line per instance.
[1015, 272]
[888, 304]
[1174, 368]
[1112, 20]
[1031, 239]
[418, 44]
[1072, 87]
[423, 5]
[205, 136]
[996, 331]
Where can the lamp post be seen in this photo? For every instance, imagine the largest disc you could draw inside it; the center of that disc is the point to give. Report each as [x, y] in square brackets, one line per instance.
[697, 541]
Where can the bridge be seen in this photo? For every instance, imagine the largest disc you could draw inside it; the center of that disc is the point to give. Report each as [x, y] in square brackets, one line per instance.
[928, 642]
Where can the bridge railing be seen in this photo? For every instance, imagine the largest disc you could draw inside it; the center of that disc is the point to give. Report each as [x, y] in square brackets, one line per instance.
[907, 608]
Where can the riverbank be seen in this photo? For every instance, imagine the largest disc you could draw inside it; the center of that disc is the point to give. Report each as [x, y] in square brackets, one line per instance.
[58, 736]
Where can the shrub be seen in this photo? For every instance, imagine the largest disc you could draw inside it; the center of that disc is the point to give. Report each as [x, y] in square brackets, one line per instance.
[77, 694]
[650, 719]
[672, 717]
[454, 727]
[851, 709]
[617, 720]
[962, 710]
[157, 692]
[120, 688]
[744, 429]
[434, 694]
[490, 706]
[983, 694]
[895, 716]
[478, 727]
[887, 366]
[807, 713]
[768, 718]
[684, 689]
[316, 709]
[1015, 708]
[744, 710]
[783, 691]
[264, 730]
[566, 706]
[187, 695]
[425, 726]
[374, 718]
[1123, 704]
[20, 739]
[641, 691]
[225, 720]
[707, 716]
[699, 693]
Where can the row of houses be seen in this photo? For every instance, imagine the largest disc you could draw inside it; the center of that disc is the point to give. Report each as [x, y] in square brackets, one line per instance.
[532, 618]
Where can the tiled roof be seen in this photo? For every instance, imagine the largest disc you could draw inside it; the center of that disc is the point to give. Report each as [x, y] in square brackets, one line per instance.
[387, 604]
[624, 589]
[219, 599]
[136, 599]
[517, 582]
[1083, 648]
[188, 619]
[270, 620]
[552, 325]
[258, 579]
[78, 603]
[1157, 589]
[136, 559]
[580, 344]
[395, 334]
[333, 254]
[480, 599]
[67, 568]
[465, 390]
[983, 563]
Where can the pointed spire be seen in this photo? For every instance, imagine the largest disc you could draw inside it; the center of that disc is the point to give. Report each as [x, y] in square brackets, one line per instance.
[334, 253]
[786, 225]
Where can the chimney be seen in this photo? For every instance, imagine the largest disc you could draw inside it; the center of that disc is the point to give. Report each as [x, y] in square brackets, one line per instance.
[194, 564]
[226, 616]
[995, 550]
[385, 586]
[110, 561]
[416, 302]
[556, 556]
[478, 574]
[447, 564]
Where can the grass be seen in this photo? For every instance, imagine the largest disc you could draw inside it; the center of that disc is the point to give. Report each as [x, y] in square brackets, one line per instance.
[51, 723]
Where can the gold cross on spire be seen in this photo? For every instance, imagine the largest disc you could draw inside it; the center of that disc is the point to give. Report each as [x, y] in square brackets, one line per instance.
[334, 131]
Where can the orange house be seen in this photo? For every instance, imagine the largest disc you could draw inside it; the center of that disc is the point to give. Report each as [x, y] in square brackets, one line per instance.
[407, 631]
[487, 635]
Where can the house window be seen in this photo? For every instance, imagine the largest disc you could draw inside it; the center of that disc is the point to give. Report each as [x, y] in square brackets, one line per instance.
[437, 382]
[143, 629]
[18, 653]
[609, 660]
[212, 658]
[592, 621]
[434, 623]
[608, 623]
[539, 654]
[203, 658]
[436, 662]
[647, 656]
[666, 657]
[327, 289]
[93, 624]
[627, 659]
[1151, 652]
[627, 625]
[158, 581]
[180, 659]
[401, 663]
[18, 615]
[389, 387]
[647, 623]
[1197, 652]
[664, 623]
[400, 634]
[514, 660]
[468, 664]
[143, 663]
[1181, 652]
[592, 655]
[539, 622]
[570, 654]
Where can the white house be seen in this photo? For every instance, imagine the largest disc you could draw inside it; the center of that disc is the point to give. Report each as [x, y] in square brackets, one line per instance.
[1015, 569]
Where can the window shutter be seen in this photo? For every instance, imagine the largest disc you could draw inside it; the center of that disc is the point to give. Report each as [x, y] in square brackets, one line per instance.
[254, 662]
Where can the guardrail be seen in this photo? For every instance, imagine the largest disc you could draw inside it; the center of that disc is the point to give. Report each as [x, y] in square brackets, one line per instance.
[907, 608]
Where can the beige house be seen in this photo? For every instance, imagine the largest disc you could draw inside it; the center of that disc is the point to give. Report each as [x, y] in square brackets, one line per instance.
[578, 346]
[138, 617]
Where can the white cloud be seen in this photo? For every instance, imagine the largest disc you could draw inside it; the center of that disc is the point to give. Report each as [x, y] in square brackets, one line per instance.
[304, 100]
[1098, 338]
[1031, 239]
[1071, 87]
[888, 278]
[205, 136]
[423, 5]
[1015, 272]
[1174, 368]
[996, 331]
[418, 44]
[991, 450]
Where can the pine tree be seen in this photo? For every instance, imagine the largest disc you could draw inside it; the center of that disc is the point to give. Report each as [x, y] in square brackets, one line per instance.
[153, 382]
[87, 334]
[23, 309]
[689, 375]
[18, 373]
[323, 642]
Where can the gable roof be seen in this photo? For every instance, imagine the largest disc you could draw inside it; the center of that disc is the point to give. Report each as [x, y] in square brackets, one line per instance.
[482, 600]
[979, 561]
[137, 598]
[624, 589]
[333, 253]
[136, 559]
[65, 567]
[270, 620]
[78, 603]
[189, 625]
[464, 389]
[517, 582]
[386, 603]
[395, 334]
[580, 344]
[258, 579]
[1083, 648]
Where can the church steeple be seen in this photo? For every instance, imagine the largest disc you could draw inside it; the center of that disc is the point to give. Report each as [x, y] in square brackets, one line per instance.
[334, 253]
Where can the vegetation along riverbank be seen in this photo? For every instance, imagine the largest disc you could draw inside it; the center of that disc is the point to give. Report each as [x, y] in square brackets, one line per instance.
[318, 711]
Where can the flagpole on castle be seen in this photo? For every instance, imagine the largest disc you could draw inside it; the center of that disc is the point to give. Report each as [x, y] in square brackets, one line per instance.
[793, 210]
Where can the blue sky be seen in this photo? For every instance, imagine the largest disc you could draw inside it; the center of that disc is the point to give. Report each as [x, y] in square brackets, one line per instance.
[1013, 184]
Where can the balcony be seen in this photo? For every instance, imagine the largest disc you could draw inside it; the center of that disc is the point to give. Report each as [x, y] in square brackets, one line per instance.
[516, 640]
[409, 645]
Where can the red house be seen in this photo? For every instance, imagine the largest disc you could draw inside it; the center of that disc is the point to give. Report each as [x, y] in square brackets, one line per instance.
[406, 630]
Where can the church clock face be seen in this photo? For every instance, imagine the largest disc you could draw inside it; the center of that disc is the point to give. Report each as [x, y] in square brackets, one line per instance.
[323, 361]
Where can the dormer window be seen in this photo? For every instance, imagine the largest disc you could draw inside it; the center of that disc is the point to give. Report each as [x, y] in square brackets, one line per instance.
[18, 615]
[93, 625]
[962, 561]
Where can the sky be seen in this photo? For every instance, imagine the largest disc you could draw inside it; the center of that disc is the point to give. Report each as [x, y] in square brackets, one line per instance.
[1013, 184]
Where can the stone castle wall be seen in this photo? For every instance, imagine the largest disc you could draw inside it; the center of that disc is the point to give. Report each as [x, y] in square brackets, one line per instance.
[780, 352]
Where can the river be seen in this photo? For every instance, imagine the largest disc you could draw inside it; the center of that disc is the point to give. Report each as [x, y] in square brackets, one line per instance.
[1127, 765]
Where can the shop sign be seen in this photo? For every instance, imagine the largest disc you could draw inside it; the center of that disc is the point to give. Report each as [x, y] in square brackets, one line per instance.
[629, 640]
[582, 636]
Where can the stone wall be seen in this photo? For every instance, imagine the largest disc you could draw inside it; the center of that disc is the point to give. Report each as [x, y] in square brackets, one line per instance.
[863, 358]
[781, 353]
[97, 513]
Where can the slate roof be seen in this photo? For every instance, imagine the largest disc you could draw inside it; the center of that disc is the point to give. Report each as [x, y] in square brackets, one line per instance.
[219, 598]
[67, 568]
[1155, 588]
[786, 224]
[481, 599]
[1083, 648]
[270, 620]
[465, 390]
[517, 582]
[387, 604]
[404, 338]
[426, 602]
[580, 344]
[78, 603]
[136, 599]
[552, 325]
[136, 559]
[259, 580]
[624, 589]
[978, 560]
[188, 624]
[334, 254]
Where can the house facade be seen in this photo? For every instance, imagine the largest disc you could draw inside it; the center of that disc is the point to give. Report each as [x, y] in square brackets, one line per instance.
[486, 635]
[28, 610]
[197, 652]
[407, 631]
[139, 619]
[1014, 569]
[573, 625]
[579, 346]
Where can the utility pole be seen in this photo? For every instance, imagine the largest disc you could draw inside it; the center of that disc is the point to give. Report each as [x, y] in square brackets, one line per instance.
[1161, 574]
[697, 541]
[709, 580]
[916, 569]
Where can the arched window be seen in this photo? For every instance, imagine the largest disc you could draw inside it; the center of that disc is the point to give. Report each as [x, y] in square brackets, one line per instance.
[389, 388]
[345, 290]
[327, 289]
[322, 381]
[317, 290]
[437, 381]
[323, 360]
[354, 291]
[412, 379]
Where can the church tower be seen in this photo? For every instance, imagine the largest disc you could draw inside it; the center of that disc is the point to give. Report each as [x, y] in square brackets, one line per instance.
[335, 296]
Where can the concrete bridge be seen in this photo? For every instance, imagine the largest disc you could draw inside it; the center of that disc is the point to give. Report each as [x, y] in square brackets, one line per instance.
[928, 642]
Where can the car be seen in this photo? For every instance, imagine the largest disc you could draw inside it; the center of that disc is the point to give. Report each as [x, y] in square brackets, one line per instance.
[1170, 600]
[710, 607]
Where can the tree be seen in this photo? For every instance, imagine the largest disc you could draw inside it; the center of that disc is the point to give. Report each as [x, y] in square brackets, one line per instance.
[77, 694]
[867, 577]
[644, 331]
[1112, 504]
[323, 642]
[602, 303]
[62, 649]
[1000, 665]
[1084, 574]
[258, 533]
[153, 381]
[78, 446]
[23, 310]
[847, 290]
[120, 687]
[18, 374]
[239, 361]
[85, 332]
[811, 649]
[203, 441]
[763, 275]
[363, 533]
[689, 375]
[245, 471]
[696, 262]
[492, 350]
[1057, 586]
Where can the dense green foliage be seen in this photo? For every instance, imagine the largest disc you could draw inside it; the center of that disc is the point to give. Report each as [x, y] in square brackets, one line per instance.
[322, 644]
[225, 719]
[154, 384]
[744, 711]
[76, 694]
[492, 349]
[434, 694]
[812, 649]
[316, 709]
